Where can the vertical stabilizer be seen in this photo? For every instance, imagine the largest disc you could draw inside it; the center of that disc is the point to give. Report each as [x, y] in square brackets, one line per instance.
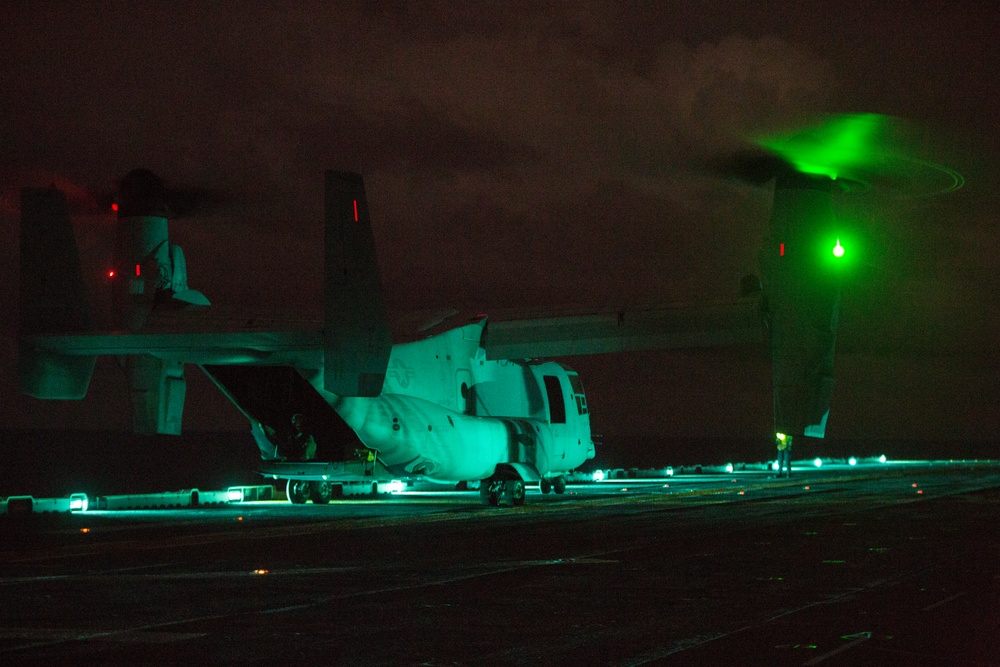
[357, 340]
[53, 297]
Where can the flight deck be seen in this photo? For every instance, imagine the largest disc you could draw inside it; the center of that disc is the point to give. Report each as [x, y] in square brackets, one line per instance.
[873, 564]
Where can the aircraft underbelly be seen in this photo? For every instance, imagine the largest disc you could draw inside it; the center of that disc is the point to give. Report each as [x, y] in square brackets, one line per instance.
[416, 437]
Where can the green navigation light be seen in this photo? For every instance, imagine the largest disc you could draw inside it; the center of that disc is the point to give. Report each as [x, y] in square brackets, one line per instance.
[838, 250]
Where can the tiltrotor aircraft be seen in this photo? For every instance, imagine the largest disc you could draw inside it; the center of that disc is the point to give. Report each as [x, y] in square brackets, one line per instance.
[474, 403]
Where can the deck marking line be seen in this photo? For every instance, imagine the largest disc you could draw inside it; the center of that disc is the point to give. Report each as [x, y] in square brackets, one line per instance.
[944, 601]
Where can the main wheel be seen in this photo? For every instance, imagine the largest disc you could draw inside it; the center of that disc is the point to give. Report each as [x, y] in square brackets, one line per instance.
[515, 492]
[320, 492]
[488, 492]
[559, 484]
[510, 493]
[545, 486]
[297, 491]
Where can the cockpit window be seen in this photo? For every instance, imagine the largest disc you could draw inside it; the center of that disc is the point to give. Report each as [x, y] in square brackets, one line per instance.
[557, 406]
[577, 385]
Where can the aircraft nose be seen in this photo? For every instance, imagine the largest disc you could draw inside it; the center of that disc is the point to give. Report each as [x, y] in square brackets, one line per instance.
[141, 193]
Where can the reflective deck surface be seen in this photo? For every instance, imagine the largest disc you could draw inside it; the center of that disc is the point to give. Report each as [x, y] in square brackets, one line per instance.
[894, 564]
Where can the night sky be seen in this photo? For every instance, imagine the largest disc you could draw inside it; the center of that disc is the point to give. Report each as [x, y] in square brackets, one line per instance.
[529, 156]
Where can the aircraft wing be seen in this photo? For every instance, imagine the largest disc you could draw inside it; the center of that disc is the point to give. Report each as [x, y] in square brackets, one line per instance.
[705, 325]
[595, 332]
[304, 348]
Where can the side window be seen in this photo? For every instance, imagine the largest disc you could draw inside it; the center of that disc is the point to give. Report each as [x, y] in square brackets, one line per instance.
[557, 406]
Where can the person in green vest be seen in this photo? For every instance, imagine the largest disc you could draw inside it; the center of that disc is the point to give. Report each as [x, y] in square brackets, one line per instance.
[784, 443]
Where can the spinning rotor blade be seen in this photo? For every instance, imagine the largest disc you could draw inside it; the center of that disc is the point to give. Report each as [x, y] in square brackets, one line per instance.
[871, 150]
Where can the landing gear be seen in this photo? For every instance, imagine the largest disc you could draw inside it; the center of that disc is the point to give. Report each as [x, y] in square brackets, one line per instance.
[489, 492]
[502, 492]
[297, 491]
[320, 492]
[545, 486]
[515, 493]
[559, 485]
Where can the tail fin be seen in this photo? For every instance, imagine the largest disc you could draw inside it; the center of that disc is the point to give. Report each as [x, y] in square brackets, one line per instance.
[53, 297]
[357, 340]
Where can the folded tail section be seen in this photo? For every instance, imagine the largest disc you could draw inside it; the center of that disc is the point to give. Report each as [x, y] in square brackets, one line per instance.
[53, 298]
[357, 340]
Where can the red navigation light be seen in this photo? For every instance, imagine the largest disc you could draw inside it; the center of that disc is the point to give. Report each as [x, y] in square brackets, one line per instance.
[111, 273]
[781, 250]
[355, 210]
[137, 271]
[114, 206]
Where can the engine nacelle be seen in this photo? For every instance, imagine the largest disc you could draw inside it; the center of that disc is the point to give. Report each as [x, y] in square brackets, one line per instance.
[802, 276]
[152, 274]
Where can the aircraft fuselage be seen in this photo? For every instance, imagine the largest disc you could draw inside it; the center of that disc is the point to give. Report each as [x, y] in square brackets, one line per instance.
[448, 414]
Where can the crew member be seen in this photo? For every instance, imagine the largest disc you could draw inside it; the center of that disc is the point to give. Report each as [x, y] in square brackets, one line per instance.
[302, 446]
[784, 443]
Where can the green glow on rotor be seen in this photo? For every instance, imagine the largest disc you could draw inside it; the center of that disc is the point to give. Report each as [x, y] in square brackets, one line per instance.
[830, 149]
[867, 149]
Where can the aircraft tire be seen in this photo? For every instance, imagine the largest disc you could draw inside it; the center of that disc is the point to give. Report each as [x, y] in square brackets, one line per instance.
[505, 496]
[487, 493]
[559, 484]
[515, 492]
[320, 492]
[297, 491]
[545, 486]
